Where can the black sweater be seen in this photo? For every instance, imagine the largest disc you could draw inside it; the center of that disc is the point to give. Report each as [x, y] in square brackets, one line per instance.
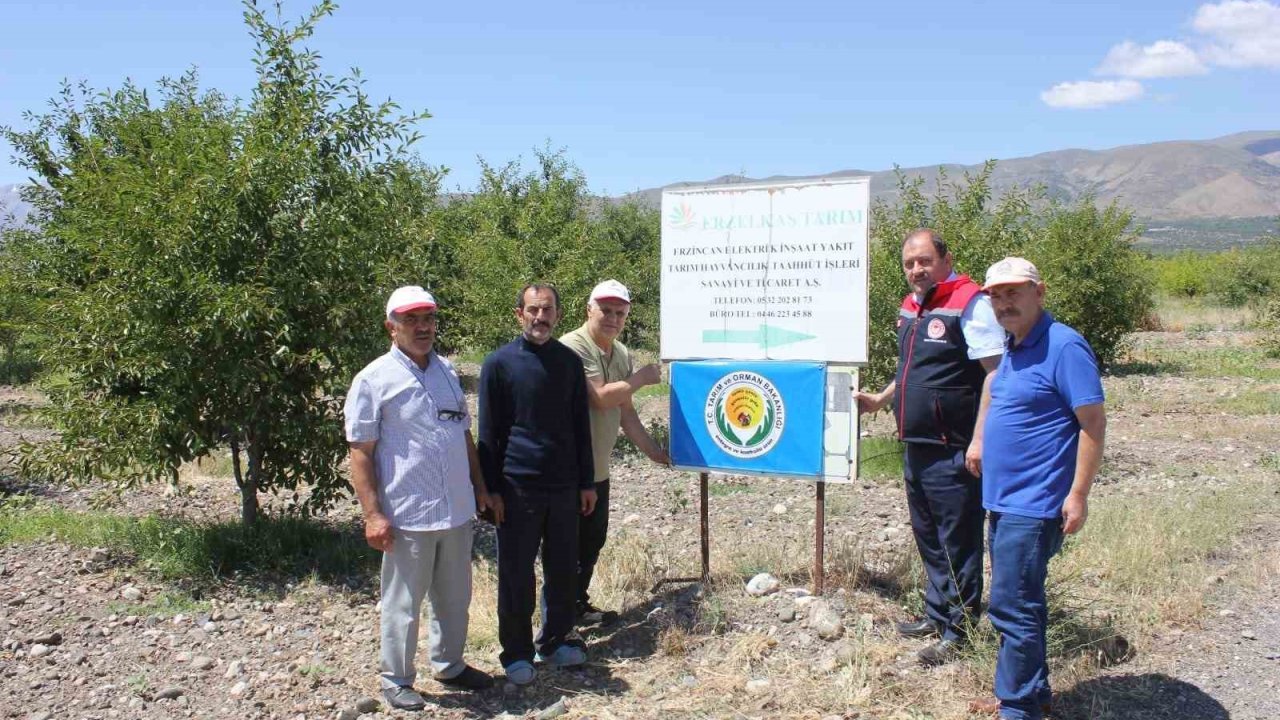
[535, 433]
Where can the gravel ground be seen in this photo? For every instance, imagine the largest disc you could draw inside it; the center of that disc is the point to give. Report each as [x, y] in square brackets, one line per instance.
[84, 635]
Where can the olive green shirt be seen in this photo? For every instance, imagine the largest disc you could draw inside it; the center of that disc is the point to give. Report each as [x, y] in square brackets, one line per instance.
[609, 367]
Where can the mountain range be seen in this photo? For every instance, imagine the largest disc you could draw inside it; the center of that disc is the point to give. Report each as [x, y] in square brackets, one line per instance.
[1236, 176]
[1187, 192]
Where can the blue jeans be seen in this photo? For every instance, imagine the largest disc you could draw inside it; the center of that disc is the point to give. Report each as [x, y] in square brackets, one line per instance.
[1020, 552]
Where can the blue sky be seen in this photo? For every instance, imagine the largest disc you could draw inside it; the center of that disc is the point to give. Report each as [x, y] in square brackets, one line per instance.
[646, 93]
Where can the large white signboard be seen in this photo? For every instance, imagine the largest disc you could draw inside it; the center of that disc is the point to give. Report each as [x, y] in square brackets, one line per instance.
[766, 271]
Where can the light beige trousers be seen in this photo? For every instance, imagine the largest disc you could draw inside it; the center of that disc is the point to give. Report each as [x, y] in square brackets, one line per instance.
[435, 565]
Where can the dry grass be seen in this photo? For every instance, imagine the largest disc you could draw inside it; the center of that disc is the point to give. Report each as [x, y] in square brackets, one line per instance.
[1148, 557]
[1183, 315]
[1139, 566]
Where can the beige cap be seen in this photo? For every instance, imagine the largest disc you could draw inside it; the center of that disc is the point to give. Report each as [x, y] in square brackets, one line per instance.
[611, 290]
[1011, 271]
[409, 297]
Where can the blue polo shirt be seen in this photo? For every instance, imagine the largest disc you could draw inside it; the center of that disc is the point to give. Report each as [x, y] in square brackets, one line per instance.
[1031, 433]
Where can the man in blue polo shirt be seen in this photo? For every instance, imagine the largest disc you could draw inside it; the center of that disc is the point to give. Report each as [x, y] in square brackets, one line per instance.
[1037, 445]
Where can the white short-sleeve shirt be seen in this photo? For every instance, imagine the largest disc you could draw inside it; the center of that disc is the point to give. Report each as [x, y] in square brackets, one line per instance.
[423, 472]
[982, 332]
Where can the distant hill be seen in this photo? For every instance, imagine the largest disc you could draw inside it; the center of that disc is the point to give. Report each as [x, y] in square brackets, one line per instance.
[1190, 193]
[1194, 193]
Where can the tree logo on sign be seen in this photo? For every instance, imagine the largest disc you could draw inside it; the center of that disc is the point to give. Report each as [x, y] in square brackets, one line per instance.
[745, 414]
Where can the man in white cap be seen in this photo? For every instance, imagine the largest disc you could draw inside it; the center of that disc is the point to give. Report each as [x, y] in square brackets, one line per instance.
[1037, 445]
[611, 381]
[416, 473]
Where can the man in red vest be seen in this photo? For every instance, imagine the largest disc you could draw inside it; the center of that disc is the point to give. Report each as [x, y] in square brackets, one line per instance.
[949, 343]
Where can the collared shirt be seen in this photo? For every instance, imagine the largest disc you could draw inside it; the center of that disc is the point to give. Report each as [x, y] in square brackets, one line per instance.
[610, 367]
[1031, 433]
[424, 478]
[982, 332]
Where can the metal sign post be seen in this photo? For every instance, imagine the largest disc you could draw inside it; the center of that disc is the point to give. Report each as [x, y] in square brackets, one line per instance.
[765, 309]
[704, 537]
[819, 536]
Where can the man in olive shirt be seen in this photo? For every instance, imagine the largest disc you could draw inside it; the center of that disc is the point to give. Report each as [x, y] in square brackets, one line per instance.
[611, 380]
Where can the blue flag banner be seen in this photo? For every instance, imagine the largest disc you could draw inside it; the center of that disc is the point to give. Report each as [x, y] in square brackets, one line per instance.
[754, 417]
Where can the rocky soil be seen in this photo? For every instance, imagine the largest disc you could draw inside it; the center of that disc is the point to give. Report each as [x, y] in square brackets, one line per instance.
[86, 634]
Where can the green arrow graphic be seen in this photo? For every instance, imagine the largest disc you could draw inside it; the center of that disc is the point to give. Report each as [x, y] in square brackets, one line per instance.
[764, 336]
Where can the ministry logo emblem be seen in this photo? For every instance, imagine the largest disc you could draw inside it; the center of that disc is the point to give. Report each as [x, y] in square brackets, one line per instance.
[745, 414]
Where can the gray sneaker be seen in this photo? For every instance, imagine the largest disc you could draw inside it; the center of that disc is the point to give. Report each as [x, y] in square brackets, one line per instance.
[403, 697]
[564, 656]
[521, 672]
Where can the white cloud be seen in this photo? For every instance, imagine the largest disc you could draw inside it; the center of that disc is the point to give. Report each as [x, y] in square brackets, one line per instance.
[1163, 58]
[1243, 33]
[1091, 94]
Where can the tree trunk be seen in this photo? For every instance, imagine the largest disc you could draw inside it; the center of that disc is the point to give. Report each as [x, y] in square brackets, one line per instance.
[248, 484]
[249, 493]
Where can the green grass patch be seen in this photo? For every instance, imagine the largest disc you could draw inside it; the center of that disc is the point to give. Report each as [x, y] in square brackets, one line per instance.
[276, 549]
[879, 458]
[474, 357]
[1265, 401]
[652, 391]
[1250, 362]
[165, 604]
[724, 489]
[1271, 461]
[218, 465]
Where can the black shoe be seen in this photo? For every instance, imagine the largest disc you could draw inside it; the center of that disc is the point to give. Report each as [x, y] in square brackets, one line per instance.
[469, 679]
[919, 629]
[940, 653]
[403, 697]
[589, 614]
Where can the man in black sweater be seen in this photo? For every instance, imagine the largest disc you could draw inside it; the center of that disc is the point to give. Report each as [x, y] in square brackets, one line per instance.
[535, 449]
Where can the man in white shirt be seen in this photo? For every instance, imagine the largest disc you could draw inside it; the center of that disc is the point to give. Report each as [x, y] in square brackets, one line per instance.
[416, 473]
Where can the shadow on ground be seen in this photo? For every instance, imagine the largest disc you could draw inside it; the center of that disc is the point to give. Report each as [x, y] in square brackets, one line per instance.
[1137, 697]
[636, 634]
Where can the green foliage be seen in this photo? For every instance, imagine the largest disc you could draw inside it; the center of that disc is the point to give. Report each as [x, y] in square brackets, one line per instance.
[211, 275]
[1270, 339]
[520, 227]
[657, 430]
[1247, 276]
[1235, 277]
[1097, 281]
[1185, 274]
[18, 312]
[197, 554]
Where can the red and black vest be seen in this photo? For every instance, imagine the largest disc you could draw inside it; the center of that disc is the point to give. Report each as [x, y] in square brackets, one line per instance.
[938, 386]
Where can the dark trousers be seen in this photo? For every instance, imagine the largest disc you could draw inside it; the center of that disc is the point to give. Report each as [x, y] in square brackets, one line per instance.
[1020, 552]
[945, 503]
[593, 530]
[535, 519]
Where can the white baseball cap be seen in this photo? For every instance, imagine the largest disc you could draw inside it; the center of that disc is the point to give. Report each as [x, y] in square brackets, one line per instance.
[1011, 271]
[409, 297]
[611, 290]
